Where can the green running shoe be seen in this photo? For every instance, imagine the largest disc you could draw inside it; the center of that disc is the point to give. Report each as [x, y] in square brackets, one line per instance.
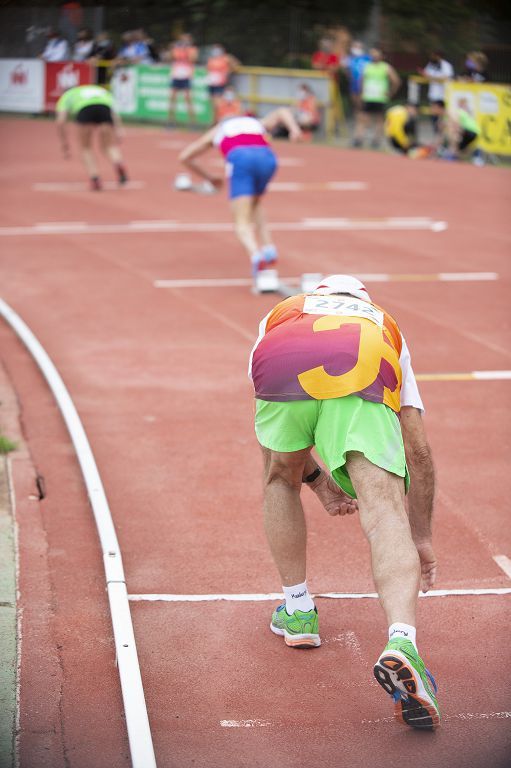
[300, 630]
[401, 672]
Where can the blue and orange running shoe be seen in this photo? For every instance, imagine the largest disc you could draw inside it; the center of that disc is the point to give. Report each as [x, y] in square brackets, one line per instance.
[401, 673]
[299, 630]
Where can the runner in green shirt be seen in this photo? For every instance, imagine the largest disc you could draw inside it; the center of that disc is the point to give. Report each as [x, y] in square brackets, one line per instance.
[380, 82]
[91, 107]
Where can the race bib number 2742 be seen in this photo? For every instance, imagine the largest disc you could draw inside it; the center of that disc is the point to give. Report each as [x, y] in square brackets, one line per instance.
[342, 306]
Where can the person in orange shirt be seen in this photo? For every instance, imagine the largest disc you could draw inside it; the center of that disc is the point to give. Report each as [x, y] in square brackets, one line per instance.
[306, 113]
[182, 56]
[220, 65]
[228, 105]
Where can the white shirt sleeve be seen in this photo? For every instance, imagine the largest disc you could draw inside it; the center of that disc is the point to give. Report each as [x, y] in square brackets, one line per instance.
[262, 331]
[409, 389]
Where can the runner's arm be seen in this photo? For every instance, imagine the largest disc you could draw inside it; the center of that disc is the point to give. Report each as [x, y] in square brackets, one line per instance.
[422, 490]
[395, 80]
[195, 149]
[333, 499]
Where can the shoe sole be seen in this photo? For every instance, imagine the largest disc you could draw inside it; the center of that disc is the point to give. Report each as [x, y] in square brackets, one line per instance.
[297, 641]
[412, 704]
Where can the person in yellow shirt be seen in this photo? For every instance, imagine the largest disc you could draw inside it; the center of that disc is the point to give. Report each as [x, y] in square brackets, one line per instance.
[401, 127]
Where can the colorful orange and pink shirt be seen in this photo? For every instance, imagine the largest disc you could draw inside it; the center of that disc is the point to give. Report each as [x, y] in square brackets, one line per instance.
[237, 132]
[323, 347]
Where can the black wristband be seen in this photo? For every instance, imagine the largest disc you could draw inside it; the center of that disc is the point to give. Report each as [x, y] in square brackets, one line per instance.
[313, 476]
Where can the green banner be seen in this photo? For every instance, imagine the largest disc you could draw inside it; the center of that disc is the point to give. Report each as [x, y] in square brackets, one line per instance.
[143, 92]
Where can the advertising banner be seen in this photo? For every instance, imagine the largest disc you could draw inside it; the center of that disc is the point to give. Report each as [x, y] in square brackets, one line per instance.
[491, 106]
[62, 75]
[22, 85]
[143, 92]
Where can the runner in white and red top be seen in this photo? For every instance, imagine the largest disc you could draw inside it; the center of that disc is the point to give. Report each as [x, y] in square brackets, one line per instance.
[250, 163]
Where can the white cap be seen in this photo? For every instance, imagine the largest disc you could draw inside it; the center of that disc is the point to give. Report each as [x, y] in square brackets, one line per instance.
[342, 284]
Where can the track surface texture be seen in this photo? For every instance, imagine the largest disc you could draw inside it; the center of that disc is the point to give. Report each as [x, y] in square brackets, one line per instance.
[158, 375]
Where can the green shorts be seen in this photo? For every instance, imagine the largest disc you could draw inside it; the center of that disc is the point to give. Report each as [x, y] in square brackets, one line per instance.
[335, 427]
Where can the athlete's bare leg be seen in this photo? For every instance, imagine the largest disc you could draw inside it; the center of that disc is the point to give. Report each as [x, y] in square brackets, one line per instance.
[85, 133]
[243, 211]
[261, 227]
[189, 105]
[361, 124]
[284, 521]
[395, 562]
[108, 143]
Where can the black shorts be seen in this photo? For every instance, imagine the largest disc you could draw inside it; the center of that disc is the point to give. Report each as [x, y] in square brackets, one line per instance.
[180, 85]
[216, 90]
[467, 137]
[398, 146]
[373, 107]
[94, 114]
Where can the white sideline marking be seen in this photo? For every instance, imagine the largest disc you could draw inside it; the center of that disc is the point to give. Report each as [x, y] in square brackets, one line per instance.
[472, 376]
[502, 560]
[230, 282]
[246, 598]
[456, 716]
[244, 723]
[81, 186]
[335, 186]
[62, 227]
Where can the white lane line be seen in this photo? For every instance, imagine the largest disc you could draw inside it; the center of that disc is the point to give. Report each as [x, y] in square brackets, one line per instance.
[255, 598]
[245, 723]
[504, 562]
[137, 722]
[333, 186]
[81, 186]
[230, 282]
[456, 716]
[471, 376]
[62, 227]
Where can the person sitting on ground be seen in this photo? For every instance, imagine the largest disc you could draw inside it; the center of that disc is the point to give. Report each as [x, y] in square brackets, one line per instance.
[401, 127]
[306, 113]
[459, 130]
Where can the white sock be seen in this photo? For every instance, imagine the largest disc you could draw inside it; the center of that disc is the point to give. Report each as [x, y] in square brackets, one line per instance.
[298, 598]
[405, 631]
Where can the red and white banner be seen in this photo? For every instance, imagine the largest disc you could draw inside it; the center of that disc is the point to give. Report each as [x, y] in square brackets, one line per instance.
[62, 75]
[22, 85]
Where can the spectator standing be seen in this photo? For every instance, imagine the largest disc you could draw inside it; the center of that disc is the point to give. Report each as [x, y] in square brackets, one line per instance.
[380, 82]
[438, 71]
[182, 56]
[57, 47]
[325, 59]
[220, 66]
[103, 50]
[82, 49]
[354, 65]
[476, 68]
[134, 49]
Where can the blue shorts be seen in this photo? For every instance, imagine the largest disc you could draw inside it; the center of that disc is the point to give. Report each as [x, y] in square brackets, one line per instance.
[249, 170]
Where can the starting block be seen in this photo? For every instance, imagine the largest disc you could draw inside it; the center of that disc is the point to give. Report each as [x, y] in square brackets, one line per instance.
[267, 281]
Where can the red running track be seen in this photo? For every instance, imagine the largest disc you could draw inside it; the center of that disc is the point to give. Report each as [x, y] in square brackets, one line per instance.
[158, 376]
